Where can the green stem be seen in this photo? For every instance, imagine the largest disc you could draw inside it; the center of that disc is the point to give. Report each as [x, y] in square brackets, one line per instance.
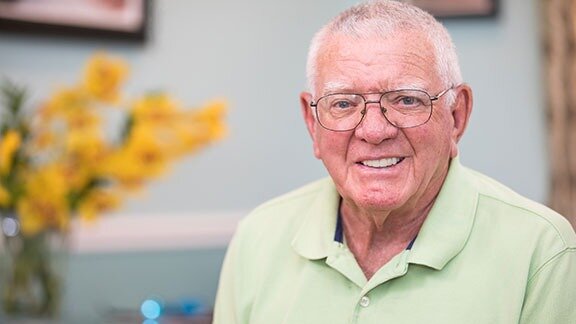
[32, 287]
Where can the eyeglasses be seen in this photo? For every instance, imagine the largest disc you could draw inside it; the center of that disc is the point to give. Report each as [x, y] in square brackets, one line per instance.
[403, 108]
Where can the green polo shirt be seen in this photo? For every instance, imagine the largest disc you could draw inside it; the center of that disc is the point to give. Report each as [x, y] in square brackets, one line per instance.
[484, 255]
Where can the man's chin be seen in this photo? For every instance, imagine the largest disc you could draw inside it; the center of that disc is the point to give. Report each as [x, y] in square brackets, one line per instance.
[378, 200]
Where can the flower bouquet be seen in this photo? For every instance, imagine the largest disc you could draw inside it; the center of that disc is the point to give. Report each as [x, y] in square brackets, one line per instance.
[81, 153]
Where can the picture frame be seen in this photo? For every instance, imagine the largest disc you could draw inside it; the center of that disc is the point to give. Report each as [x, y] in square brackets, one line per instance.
[443, 9]
[126, 20]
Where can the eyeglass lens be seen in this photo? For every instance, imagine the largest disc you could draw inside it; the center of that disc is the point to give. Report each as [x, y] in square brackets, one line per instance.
[402, 108]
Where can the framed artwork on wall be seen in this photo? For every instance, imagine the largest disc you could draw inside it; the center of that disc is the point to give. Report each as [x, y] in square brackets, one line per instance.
[458, 8]
[104, 19]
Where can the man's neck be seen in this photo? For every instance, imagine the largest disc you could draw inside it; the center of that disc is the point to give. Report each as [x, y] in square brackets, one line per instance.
[376, 238]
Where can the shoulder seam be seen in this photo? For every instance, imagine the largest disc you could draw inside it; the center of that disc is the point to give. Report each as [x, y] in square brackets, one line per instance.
[558, 233]
[547, 262]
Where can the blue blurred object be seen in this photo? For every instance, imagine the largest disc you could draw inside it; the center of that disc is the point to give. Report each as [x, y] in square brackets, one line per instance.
[151, 309]
[187, 307]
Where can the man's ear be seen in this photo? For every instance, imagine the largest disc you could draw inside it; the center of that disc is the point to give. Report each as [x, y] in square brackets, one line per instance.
[309, 118]
[460, 110]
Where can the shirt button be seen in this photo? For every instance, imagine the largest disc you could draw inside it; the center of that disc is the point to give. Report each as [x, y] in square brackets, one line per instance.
[364, 301]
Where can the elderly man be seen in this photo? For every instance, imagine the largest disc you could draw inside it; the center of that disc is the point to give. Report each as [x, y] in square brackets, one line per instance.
[400, 232]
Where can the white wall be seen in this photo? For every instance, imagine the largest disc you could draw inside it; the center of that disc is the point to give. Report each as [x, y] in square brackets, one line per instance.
[253, 53]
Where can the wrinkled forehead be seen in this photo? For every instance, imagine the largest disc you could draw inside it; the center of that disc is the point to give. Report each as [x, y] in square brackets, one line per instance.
[375, 63]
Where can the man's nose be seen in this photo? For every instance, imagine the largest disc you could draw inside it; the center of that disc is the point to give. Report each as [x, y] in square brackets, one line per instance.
[374, 127]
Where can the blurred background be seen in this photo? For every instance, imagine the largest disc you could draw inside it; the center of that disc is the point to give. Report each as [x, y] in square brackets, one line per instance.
[168, 243]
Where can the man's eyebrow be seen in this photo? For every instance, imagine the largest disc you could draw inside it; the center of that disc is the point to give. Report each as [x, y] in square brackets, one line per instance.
[341, 86]
[334, 86]
[408, 85]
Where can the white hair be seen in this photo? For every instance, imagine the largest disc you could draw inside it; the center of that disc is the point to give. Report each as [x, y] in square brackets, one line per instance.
[382, 18]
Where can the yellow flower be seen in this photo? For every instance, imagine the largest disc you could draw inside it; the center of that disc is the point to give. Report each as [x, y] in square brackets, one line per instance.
[156, 109]
[64, 102]
[44, 204]
[86, 146]
[141, 158]
[200, 127]
[81, 157]
[82, 119]
[103, 77]
[145, 151]
[9, 144]
[212, 116]
[43, 139]
[98, 202]
[4, 197]
[40, 213]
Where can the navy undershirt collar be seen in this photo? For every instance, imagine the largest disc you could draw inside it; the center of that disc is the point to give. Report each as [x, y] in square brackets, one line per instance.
[339, 232]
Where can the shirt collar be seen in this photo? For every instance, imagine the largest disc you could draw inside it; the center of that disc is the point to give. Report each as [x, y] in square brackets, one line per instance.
[442, 236]
[449, 223]
[315, 236]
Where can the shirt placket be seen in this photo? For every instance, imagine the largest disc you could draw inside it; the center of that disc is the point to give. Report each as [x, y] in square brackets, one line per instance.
[396, 268]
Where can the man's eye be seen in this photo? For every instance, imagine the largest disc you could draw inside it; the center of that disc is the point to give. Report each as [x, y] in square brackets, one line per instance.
[409, 101]
[342, 104]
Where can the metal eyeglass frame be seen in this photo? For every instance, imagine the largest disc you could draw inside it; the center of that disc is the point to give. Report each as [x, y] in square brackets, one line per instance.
[314, 105]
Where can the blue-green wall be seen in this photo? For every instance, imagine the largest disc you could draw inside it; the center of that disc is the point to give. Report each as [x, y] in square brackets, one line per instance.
[101, 285]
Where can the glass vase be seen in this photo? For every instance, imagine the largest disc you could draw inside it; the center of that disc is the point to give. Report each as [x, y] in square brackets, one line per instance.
[32, 278]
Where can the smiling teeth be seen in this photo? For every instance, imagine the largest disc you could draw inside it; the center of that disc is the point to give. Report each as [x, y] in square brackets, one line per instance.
[383, 163]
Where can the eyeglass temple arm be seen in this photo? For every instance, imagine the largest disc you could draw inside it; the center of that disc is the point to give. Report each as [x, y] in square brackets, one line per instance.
[436, 97]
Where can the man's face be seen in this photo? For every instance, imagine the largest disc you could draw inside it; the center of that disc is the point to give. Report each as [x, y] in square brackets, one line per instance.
[378, 166]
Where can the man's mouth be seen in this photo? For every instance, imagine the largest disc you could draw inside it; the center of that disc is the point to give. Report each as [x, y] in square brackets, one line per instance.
[382, 163]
